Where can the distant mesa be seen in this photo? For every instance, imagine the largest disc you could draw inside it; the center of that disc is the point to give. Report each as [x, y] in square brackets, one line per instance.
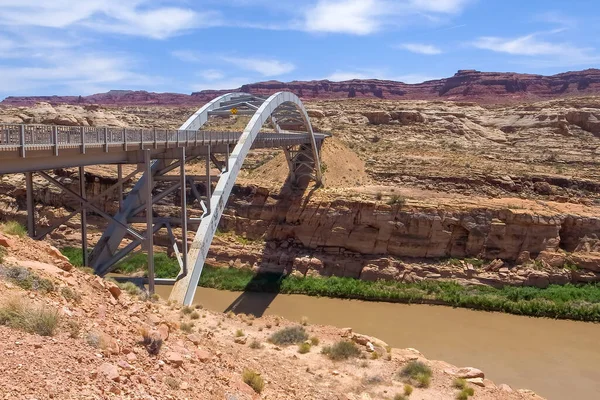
[465, 85]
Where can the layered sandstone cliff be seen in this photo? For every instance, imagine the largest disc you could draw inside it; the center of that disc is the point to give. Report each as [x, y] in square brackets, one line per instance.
[465, 85]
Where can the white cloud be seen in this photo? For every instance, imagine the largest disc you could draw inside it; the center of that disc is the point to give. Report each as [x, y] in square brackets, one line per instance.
[91, 73]
[224, 84]
[131, 17]
[189, 56]
[211, 75]
[440, 6]
[528, 45]
[264, 66]
[547, 53]
[364, 17]
[420, 48]
[359, 17]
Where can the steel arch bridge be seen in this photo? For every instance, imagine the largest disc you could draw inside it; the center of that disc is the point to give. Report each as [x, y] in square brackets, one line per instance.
[35, 148]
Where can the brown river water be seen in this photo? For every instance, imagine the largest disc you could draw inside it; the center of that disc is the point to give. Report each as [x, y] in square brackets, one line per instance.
[556, 359]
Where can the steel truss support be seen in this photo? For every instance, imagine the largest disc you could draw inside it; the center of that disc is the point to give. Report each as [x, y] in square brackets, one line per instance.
[84, 205]
[175, 183]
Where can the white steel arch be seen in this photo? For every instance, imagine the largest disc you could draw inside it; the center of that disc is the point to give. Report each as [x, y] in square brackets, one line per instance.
[185, 288]
[102, 256]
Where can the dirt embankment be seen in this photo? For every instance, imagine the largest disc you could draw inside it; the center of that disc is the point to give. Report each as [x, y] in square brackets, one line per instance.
[91, 340]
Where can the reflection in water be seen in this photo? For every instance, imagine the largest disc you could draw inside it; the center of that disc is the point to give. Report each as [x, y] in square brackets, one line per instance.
[557, 359]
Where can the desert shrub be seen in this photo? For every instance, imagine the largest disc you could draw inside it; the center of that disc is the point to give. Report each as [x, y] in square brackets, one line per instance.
[70, 294]
[255, 344]
[130, 288]
[400, 397]
[465, 393]
[289, 335]
[198, 306]
[239, 333]
[13, 228]
[94, 340]
[152, 344]
[186, 327]
[254, 380]
[396, 200]
[374, 355]
[2, 254]
[20, 314]
[407, 390]
[155, 297]
[27, 279]
[341, 350]
[172, 383]
[379, 196]
[304, 321]
[423, 381]
[314, 341]
[459, 383]
[304, 348]
[187, 310]
[195, 315]
[418, 372]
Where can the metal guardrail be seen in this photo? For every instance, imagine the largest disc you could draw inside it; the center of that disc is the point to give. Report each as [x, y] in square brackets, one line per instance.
[39, 137]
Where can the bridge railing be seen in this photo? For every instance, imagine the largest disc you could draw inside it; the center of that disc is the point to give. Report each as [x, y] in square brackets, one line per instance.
[17, 135]
[24, 138]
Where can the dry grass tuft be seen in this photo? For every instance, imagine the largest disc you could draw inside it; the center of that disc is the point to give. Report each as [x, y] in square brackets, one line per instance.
[23, 315]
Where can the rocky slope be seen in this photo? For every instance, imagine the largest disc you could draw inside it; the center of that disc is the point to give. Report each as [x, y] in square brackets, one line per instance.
[466, 85]
[98, 342]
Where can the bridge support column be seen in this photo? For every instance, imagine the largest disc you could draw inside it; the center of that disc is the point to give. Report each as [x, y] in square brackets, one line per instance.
[84, 246]
[120, 179]
[184, 215]
[149, 220]
[30, 204]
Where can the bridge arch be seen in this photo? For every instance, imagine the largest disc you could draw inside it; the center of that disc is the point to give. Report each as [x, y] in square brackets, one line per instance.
[281, 108]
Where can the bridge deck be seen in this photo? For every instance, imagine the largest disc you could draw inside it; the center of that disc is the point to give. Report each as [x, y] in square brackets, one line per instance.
[26, 148]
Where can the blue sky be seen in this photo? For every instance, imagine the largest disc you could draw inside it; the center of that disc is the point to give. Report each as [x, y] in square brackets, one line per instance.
[71, 47]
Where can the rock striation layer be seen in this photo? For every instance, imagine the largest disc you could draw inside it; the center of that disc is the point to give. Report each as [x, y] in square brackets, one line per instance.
[465, 85]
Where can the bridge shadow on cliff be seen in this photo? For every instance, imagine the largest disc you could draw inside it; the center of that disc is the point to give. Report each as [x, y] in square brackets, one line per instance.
[264, 287]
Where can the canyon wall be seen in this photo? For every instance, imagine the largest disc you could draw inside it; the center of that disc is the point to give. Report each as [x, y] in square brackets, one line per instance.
[368, 228]
[465, 85]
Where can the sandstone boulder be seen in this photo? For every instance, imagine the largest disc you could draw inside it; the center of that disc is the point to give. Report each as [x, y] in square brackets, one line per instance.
[469, 373]
[109, 371]
[552, 259]
[590, 261]
[113, 288]
[174, 358]
[539, 279]
[378, 117]
[6, 241]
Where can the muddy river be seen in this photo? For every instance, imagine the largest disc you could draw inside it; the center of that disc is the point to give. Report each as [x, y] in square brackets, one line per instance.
[556, 359]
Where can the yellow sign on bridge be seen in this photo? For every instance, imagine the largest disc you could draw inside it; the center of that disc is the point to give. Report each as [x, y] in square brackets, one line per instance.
[234, 111]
